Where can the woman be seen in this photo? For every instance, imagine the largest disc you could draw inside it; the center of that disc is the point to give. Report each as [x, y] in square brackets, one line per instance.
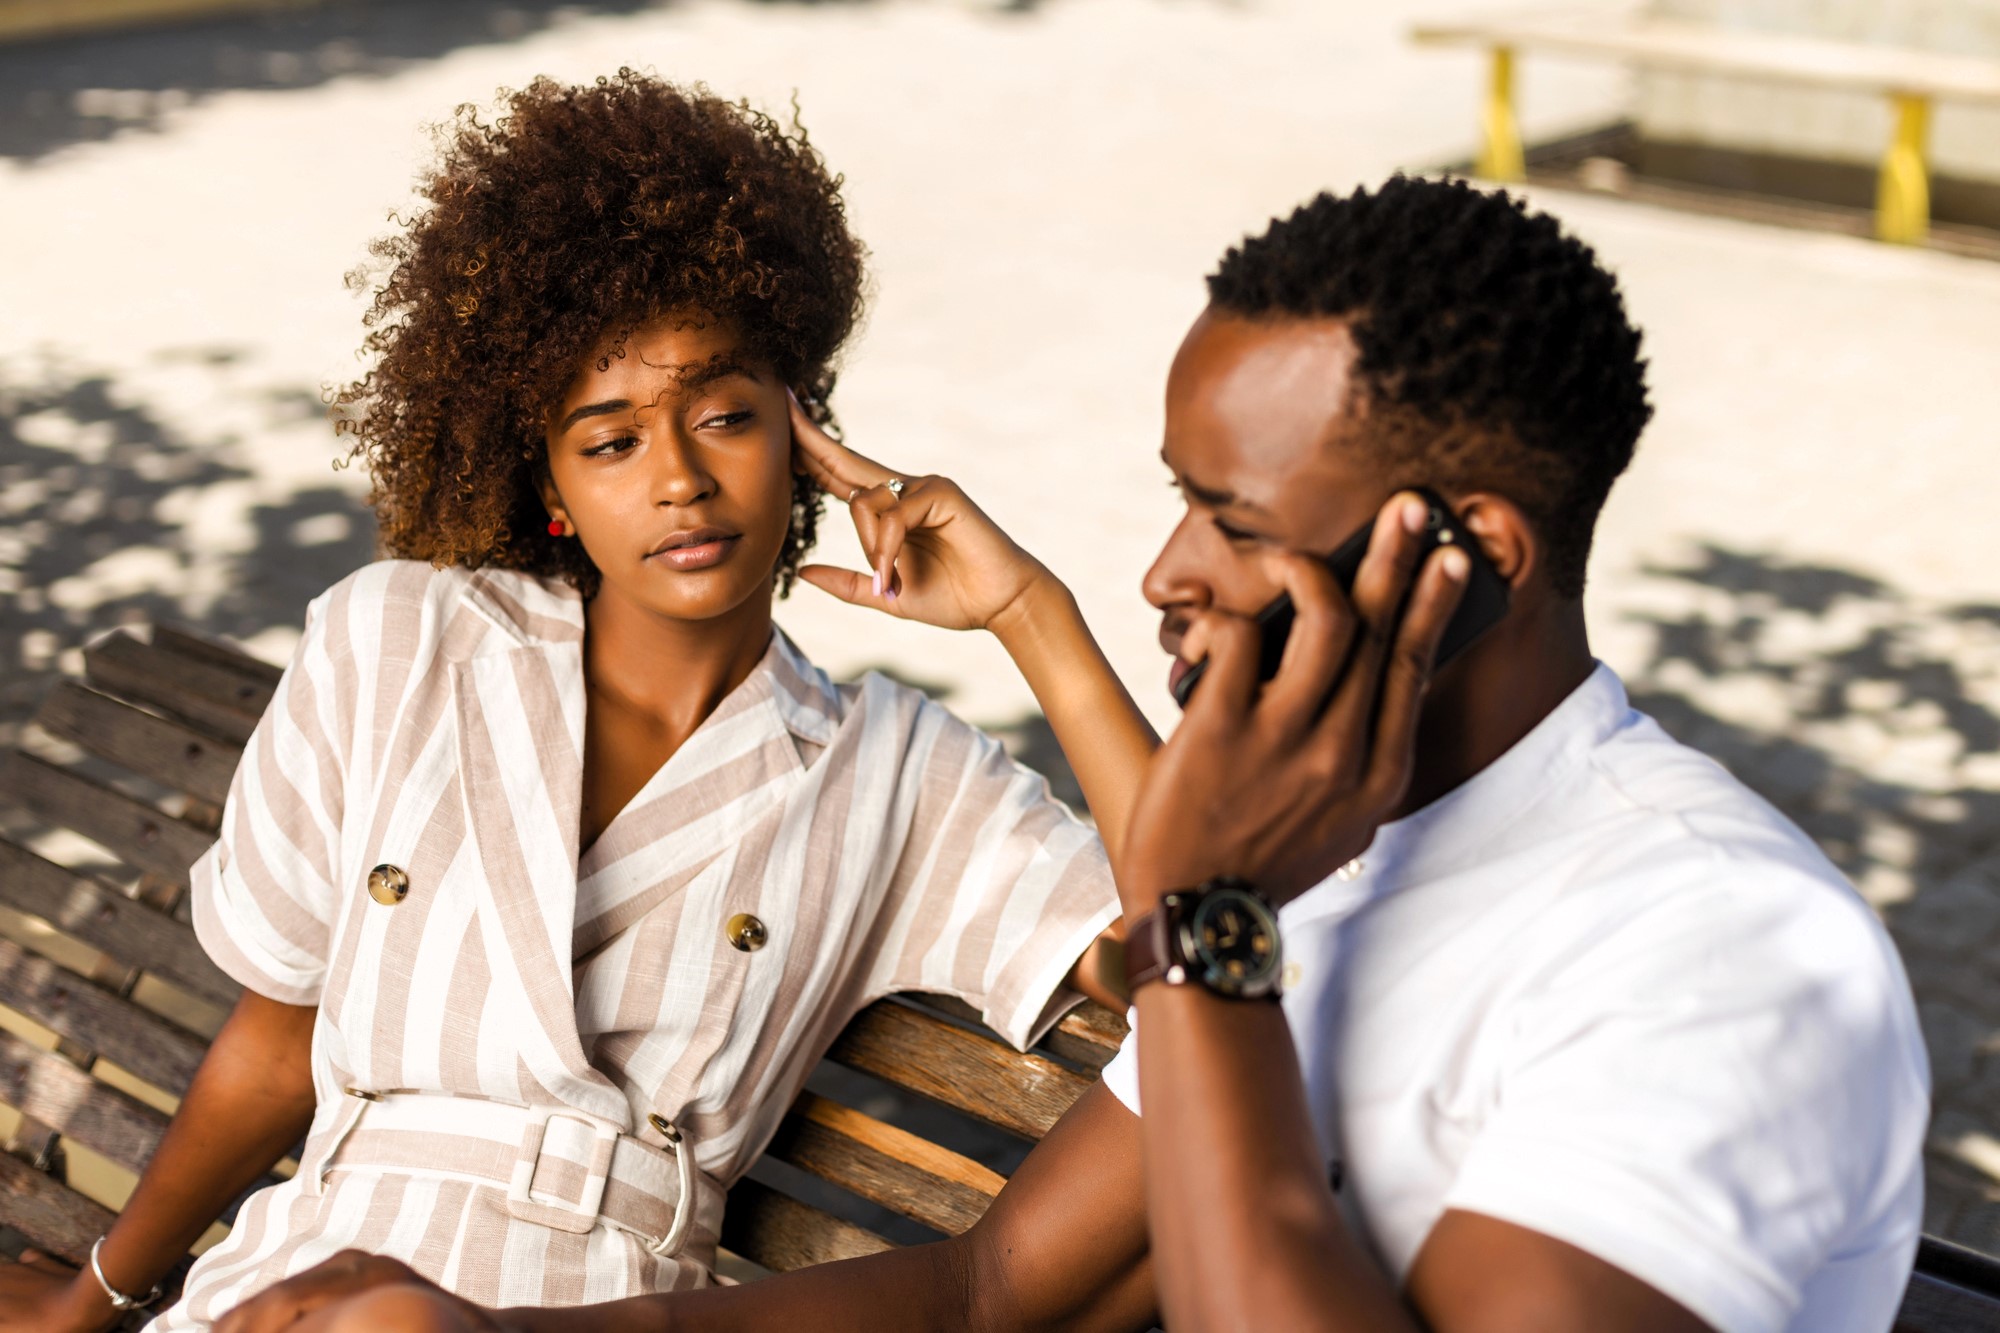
[553, 867]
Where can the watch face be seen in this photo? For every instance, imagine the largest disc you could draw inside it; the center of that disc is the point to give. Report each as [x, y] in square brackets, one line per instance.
[1232, 942]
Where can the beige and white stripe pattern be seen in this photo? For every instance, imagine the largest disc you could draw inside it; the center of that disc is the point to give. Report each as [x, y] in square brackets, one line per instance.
[433, 720]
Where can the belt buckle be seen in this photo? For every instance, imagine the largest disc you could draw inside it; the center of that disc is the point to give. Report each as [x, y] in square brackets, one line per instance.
[558, 1215]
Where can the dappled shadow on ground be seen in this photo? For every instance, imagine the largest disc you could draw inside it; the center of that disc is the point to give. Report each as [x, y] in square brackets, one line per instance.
[102, 509]
[78, 89]
[1872, 718]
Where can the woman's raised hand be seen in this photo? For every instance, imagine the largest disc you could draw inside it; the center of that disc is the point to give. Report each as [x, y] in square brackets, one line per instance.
[934, 556]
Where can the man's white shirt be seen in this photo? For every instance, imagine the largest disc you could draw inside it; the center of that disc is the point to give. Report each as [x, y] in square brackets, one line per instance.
[1605, 992]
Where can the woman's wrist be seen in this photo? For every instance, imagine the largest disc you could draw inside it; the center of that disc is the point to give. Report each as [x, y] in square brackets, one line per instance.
[1041, 611]
[85, 1304]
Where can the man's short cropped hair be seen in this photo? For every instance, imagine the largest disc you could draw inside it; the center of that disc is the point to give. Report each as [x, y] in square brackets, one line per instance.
[1495, 353]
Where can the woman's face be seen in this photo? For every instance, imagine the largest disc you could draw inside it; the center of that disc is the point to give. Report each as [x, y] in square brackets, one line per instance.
[672, 465]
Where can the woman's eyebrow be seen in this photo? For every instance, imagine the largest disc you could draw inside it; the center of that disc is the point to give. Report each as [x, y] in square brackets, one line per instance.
[605, 408]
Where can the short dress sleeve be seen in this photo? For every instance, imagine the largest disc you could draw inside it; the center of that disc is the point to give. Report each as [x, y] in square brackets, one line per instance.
[264, 896]
[998, 888]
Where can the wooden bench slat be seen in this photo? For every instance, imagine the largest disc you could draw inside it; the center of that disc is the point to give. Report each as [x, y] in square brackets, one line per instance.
[170, 753]
[55, 1217]
[210, 696]
[1695, 48]
[781, 1233]
[1023, 1094]
[217, 652]
[104, 919]
[1088, 1035]
[136, 833]
[97, 1020]
[885, 1165]
[46, 1086]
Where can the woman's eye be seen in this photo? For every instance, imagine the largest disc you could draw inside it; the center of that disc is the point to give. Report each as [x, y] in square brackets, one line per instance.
[724, 420]
[606, 447]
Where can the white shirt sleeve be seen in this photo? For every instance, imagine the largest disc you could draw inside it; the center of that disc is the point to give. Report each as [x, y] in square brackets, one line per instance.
[1121, 1075]
[1710, 1097]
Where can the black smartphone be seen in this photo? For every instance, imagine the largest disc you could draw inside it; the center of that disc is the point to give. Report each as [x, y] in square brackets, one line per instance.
[1479, 609]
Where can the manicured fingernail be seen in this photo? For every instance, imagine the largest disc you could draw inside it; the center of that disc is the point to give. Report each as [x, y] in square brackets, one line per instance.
[1455, 563]
[1415, 514]
[892, 594]
[878, 583]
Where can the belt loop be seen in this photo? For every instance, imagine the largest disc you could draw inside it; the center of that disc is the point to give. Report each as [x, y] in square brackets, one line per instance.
[670, 1244]
[352, 1107]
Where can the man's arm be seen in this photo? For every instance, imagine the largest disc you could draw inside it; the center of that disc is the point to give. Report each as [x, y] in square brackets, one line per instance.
[1279, 786]
[1248, 1232]
[1063, 1248]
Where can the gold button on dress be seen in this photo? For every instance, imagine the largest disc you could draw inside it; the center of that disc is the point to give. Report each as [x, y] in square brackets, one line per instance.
[746, 932]
[388, 885]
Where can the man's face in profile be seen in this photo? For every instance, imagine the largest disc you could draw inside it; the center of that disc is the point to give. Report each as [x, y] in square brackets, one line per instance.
[1257, 415]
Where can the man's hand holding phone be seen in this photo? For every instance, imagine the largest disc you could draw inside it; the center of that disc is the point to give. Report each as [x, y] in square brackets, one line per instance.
[1283, 783]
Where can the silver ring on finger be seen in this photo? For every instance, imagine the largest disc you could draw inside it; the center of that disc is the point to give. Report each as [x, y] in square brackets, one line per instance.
[894, 486]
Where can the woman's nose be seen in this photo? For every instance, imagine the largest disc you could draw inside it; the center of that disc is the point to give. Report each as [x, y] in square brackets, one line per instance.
[677, 477]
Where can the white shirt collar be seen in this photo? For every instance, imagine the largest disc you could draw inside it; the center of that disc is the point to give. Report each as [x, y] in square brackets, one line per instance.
[1460, 828]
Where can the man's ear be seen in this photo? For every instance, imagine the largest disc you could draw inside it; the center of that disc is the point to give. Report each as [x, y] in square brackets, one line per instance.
[1506, 538]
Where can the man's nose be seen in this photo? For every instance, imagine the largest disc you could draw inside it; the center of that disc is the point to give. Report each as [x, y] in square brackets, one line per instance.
[1177, 579]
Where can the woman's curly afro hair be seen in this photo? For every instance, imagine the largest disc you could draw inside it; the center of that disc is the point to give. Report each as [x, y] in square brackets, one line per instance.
[575, 215]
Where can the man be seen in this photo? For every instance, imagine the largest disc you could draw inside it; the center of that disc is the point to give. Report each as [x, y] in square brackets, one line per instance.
[1580, 1034]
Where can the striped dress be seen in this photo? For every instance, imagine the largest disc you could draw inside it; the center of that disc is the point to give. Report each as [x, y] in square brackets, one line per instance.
[433, 721]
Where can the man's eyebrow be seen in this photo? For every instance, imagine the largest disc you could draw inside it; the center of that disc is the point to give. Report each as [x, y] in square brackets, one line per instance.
[1213, 499]
[602, 409]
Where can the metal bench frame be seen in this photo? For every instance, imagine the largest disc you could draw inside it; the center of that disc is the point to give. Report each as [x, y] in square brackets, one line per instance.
[1911, 80]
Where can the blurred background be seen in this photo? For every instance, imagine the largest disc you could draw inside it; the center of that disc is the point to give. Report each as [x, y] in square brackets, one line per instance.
[1798, 575]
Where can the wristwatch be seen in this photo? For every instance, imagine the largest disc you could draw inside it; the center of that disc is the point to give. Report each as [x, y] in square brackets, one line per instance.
[1221, 936]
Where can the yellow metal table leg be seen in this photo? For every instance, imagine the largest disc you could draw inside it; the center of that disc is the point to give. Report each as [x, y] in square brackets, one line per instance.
[1500, 156]
[1903, 192]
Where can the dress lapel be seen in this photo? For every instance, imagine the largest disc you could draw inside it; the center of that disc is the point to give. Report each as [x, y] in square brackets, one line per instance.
[520, 753]
[738, 768]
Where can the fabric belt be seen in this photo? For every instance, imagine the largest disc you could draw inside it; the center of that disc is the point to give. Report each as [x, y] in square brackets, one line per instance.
[561, 1167]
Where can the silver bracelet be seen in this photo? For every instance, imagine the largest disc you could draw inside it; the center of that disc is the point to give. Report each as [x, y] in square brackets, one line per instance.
[119, 1300]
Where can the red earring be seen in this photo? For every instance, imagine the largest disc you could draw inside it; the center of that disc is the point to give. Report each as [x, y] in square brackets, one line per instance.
[558, 528]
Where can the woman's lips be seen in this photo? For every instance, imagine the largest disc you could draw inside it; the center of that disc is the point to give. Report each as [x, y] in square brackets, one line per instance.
[700, 555]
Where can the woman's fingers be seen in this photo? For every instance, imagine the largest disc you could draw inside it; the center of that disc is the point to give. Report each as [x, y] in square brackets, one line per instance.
[837, 468]
[850, 586]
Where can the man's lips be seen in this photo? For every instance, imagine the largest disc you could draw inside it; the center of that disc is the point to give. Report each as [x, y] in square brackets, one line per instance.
[696, 548]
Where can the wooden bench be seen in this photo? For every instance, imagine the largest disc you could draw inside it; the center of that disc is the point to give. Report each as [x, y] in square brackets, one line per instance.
[1911, 80]
[101, 961]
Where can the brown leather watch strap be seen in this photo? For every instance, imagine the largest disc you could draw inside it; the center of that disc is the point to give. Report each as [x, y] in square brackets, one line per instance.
[1148, 945]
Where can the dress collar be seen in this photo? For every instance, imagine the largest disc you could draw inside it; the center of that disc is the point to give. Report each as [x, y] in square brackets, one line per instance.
[535, 612]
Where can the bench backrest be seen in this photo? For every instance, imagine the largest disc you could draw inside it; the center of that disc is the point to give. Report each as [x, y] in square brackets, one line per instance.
[97, 952]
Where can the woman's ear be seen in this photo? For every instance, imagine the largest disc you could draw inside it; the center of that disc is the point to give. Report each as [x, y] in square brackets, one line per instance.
[1506, 538]
[546, 486]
